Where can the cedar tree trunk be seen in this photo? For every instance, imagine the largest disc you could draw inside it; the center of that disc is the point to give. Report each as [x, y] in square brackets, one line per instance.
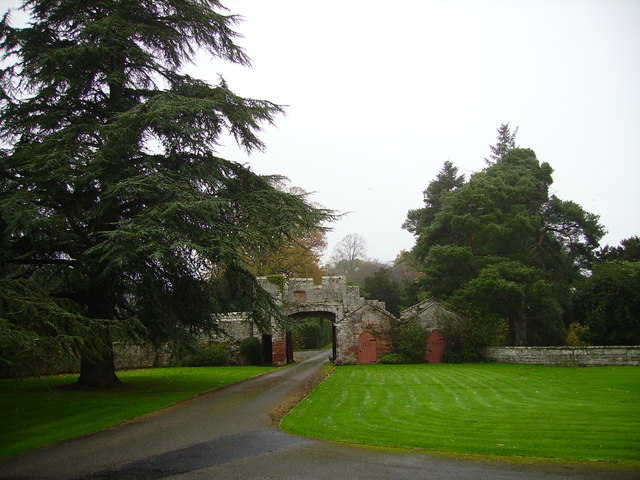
[97, 368]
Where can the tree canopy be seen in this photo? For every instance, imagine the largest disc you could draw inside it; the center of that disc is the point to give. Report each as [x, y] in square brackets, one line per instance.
[500, 245]
[383, 287]
[506, 141]
[608, 303]
[349, 253]
[113, 203]
[446, 182]
[293, 257]
[628, 251]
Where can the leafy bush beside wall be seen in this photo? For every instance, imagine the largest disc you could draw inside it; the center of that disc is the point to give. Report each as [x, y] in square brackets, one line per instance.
[409, 339]
[251, 350]
[212, 355]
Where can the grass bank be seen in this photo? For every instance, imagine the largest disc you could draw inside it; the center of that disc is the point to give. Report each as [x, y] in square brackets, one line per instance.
[38, 412]
[492, 409]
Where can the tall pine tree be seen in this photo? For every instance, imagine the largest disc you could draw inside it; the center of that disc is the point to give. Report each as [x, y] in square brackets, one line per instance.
[446, 182]
[501, 247]
[111, 195]
[506, 141]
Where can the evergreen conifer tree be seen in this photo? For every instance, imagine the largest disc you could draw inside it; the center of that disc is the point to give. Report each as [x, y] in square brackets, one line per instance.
[112, 197]
[446, 182]
[502, 247]
[506, 141]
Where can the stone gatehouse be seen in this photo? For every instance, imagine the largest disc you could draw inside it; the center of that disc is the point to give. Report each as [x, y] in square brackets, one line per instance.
[360, 327]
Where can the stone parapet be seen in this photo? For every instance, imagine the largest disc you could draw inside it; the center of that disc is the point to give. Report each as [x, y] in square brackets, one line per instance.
[567, 356]
[302, 290]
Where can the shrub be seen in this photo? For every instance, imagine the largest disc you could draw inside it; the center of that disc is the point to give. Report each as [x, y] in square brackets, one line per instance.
[344, 361]
[454, 355]
[409, 339]
[277, 280]
[393, 359]
[251, 350]
[577, 334]
[311, 334]
[181, 347]
[466, 340]
[211, 355]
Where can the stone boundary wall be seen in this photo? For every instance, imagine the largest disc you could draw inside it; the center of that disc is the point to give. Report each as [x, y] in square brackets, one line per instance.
[566, 356]
[125, 357]
[128, 357]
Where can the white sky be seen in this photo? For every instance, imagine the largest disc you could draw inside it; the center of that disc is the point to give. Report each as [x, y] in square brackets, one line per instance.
[380, 94]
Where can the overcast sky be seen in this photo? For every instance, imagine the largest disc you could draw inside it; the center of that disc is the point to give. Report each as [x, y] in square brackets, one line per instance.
[380, 94]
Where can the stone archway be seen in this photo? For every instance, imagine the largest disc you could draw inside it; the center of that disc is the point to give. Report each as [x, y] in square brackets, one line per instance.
[311, 314]
[349, 313]
[266, 343]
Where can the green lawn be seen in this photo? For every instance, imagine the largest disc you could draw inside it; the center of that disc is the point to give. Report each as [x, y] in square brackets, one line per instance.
[494, 409]
[37, 412]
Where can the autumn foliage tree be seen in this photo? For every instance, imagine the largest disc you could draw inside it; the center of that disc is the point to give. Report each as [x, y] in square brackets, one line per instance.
[292, 257]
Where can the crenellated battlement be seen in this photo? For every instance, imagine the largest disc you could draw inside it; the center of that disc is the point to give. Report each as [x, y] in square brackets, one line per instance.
[333, 290]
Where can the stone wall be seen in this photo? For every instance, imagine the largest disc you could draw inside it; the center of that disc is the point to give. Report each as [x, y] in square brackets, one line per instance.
[431, 314]
[351, 314]
[566, 356]
[302, 290]
[128, 357]
[125, 357]
[233, 327]
[370, 317]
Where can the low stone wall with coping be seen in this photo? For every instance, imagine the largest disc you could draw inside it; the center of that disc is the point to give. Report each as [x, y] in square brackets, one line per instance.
[566, 356]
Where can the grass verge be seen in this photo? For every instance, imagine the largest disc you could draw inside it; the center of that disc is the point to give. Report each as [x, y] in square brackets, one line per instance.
[298, 394]
[38, 412]
[492, 409]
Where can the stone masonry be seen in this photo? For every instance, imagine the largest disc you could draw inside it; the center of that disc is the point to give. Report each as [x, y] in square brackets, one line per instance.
[431, 314]
[352, 317]
[567, 356]
[350, 314]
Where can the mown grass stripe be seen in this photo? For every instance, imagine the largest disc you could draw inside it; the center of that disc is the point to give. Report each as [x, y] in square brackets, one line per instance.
[491, 408]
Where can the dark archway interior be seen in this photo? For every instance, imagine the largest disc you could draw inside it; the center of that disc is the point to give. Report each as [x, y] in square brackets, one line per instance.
[267, 349]
[308, 315]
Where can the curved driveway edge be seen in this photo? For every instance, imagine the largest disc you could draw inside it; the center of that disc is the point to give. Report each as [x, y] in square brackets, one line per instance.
[230, 435]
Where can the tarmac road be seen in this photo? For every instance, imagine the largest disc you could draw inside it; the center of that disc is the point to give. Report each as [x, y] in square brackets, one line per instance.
[229, 434]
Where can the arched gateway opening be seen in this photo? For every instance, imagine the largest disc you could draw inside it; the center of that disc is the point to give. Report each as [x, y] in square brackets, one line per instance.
[301, 329]
[344, 313]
